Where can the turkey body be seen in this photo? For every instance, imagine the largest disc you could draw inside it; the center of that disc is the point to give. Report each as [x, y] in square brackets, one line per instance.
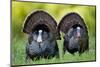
[76, 40]
[46, 47]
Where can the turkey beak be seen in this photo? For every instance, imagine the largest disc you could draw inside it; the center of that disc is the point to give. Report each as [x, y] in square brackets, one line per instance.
[39, 38]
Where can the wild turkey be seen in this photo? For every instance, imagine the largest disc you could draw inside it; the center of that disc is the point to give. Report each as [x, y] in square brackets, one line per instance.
[41, 28]
[76, 34]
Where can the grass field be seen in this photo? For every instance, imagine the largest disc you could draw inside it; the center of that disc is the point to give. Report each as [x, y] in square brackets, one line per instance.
[18, 53]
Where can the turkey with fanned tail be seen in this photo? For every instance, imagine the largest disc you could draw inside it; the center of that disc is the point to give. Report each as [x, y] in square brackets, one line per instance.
[75, 33]
[41, 29]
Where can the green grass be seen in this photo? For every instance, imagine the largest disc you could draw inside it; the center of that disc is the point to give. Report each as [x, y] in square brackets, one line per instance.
[18, 53]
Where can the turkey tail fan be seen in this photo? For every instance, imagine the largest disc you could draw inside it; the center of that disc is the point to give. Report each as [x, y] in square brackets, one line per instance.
[40, 18]
[70, 20]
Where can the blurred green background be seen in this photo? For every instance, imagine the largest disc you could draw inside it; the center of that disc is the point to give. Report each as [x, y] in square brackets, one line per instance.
[20, 10]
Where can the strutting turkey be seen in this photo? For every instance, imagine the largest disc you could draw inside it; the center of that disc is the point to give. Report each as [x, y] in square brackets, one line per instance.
[76, 33]
[41, 28]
